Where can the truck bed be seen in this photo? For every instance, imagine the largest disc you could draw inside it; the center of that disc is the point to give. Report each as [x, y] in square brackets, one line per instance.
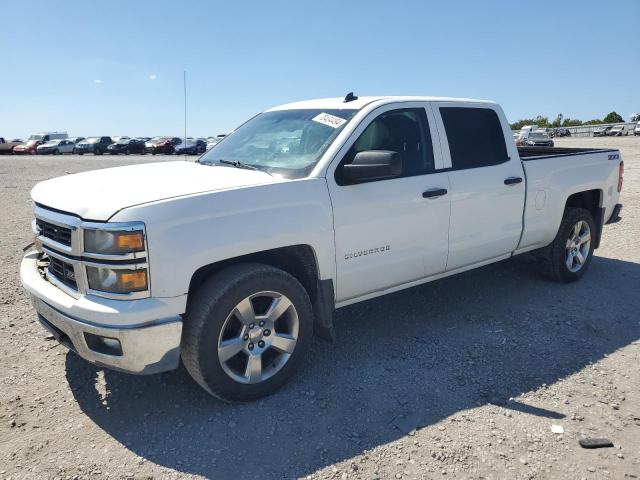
[537, 153]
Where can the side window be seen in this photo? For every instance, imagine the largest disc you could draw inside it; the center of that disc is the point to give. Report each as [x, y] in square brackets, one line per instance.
[405, 131]
[475, 137]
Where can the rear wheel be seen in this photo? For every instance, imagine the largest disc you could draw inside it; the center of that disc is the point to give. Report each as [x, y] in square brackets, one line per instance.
[246, 331]
[569, 256]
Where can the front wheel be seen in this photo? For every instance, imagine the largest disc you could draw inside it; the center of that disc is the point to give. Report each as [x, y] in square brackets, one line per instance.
[569, 256]
[246, 331]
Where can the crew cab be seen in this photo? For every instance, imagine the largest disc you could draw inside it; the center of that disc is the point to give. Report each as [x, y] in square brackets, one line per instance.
[231, 262]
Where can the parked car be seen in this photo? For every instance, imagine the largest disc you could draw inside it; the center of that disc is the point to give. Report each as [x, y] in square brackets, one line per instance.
[126, 146]
[534, 138]
[165, 145]
[617, 131]
[233, 262]
[601, 131]
[6, 147]
[191, 147]
[32, 143]
[76, 139]
[636, 131]
[95, 145]
[56, 147]
[28, 147]
[562, 132]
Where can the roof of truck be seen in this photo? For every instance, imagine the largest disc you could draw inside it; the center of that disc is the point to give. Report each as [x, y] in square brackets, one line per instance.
[338, 103]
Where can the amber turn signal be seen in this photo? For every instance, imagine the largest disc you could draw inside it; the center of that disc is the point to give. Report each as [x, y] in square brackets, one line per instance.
[130, 241]
[133, 280]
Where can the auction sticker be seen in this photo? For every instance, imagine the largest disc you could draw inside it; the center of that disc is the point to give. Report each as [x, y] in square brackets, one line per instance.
[329, 120]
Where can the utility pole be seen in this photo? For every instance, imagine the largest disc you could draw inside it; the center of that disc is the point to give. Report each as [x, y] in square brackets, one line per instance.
[184, 82]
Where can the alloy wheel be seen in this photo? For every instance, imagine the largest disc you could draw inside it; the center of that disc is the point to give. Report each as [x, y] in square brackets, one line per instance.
[578, 246]
[258, 337]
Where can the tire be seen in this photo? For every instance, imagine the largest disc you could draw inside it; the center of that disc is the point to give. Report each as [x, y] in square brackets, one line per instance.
[97, 151]
[56, 152]
[210, 315]
[74, 151]
[556, 255]
[127, 152]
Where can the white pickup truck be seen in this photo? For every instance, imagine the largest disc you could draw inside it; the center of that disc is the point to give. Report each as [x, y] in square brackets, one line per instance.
[233, 261]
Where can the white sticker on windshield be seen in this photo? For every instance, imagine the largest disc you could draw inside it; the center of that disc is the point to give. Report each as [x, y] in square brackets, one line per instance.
[329, 120]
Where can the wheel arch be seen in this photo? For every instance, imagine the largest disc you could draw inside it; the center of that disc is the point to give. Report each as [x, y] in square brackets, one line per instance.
[590, 200]
[299, 261]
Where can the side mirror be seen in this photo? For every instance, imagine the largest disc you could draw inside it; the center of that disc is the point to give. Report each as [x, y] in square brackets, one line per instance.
[373, 165]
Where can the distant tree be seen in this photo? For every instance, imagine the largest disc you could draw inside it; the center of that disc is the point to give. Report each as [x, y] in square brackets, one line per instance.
[521, 123]
[595, 121]
[635, 117]
[613, 117]
[571, 122]
[541, 121]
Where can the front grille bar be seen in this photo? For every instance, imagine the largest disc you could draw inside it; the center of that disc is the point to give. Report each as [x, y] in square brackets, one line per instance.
[54, 232]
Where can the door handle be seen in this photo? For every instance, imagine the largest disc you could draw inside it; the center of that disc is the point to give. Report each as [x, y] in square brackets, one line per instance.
[512, 180]
[434, 193]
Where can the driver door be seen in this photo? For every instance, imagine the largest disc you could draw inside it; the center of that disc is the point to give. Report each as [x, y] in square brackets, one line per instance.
[393, 231]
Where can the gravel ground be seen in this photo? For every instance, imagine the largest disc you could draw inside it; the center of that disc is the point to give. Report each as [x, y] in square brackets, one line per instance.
[460, 378]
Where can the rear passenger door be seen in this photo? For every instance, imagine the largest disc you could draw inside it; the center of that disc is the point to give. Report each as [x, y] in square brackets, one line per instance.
[487, 182]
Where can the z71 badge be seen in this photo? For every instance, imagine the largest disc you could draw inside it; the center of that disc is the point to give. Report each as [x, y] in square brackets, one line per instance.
[371, 251]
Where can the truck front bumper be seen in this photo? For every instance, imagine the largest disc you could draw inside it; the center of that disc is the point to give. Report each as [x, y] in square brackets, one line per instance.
[151, 346]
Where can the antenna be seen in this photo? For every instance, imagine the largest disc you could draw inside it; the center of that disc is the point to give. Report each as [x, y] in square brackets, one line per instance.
[184, 81]
[350, 97]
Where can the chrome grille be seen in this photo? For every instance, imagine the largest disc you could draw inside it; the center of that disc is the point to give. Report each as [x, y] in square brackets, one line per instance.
[63, 272]
[54, 232]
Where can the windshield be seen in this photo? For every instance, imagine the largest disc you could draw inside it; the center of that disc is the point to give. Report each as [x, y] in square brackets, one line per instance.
[92, 140]
[36, 137]
[284, 142]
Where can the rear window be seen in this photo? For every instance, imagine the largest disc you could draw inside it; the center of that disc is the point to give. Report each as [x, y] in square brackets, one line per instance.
[475, 137]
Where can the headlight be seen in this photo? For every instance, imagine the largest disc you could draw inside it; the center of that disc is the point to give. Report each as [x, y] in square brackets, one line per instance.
[117, 280]
[113, 242]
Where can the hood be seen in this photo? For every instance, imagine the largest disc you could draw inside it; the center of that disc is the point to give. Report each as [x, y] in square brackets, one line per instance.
[98, 194]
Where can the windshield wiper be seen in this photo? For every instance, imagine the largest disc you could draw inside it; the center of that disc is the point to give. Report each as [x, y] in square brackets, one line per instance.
[239, 164]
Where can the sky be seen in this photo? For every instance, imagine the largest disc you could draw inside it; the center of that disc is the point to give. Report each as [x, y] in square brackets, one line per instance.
[116, 67]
